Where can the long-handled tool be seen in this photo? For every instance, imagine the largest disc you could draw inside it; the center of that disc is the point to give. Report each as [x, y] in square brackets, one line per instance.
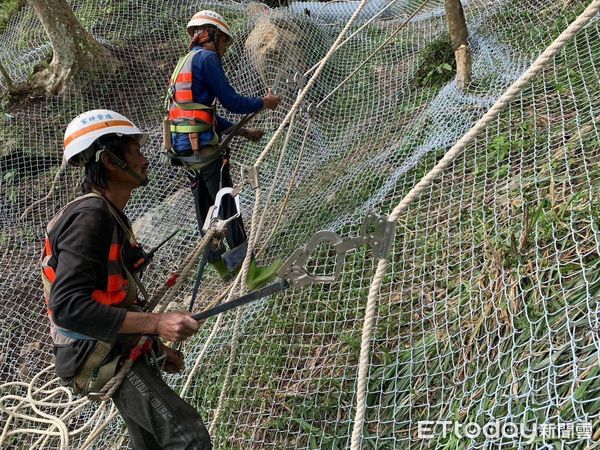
[376, 231]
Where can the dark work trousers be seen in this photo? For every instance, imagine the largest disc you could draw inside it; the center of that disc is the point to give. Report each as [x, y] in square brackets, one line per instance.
[205, 186]
[156, 417]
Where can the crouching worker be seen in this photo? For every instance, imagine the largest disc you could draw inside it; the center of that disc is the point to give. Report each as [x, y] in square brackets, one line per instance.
[91, 290]
[198, 80]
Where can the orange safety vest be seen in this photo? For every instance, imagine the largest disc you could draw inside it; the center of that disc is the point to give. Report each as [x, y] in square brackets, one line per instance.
[117, 285]
[185, 115]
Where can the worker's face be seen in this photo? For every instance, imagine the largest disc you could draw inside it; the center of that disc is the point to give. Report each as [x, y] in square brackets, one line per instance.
[136, 160]
[223, 44]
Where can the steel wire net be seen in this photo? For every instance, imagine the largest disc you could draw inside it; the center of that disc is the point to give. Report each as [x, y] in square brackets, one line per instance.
[489, 308]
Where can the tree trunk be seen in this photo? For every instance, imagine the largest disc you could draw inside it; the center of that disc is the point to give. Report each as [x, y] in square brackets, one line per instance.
[459, 38]
[9, 84]
[74, 48]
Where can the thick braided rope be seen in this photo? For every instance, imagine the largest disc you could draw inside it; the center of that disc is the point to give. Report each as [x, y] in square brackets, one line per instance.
[515, 89]
[309, 85]
[113, 384]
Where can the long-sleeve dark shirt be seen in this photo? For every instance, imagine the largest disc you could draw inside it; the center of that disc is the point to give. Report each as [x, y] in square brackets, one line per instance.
[80, 245]
[209, 82]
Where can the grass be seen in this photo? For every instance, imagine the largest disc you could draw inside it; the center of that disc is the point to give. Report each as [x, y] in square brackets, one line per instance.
[8, 8]
[449, 342]
[486, 301]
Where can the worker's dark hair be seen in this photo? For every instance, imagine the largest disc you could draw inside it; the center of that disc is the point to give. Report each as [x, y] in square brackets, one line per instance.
[96, 175]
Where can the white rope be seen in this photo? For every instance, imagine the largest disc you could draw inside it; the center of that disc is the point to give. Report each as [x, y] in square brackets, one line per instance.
[373, 53]
[515, 89]
[291, 182]
[115, 382]
[284, 148]
[107, 391]
[309, 84]
[345, 41]
[254, 230]
[37, 415]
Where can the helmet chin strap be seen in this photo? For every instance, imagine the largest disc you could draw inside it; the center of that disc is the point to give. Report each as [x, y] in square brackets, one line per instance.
[122, 164]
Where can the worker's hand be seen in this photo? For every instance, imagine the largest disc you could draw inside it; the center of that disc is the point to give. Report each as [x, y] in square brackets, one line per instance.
[176, 326]
[252, 134]
[271, 101]
[174, 362]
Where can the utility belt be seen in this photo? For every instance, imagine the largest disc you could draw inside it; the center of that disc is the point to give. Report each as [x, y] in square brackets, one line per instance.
[200, 156]
[93, 375]
[193, 161]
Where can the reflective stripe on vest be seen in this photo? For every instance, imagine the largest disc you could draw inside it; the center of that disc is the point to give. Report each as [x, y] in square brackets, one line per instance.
[117, 286]
[185, 115]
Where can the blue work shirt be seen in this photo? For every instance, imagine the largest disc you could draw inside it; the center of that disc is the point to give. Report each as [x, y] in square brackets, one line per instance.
[209, 81]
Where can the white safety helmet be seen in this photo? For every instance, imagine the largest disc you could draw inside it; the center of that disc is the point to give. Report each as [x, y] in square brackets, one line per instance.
[208, 17]
[84, 129]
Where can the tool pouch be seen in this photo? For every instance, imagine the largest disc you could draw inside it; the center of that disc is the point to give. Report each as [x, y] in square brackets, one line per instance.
[235, 257]
[195, 142]
[166, 133]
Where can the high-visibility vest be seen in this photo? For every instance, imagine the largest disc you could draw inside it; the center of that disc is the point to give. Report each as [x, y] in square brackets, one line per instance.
[117, 285]
[185, 115]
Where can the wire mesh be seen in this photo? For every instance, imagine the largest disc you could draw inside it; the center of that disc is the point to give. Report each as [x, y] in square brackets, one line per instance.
[489, 308]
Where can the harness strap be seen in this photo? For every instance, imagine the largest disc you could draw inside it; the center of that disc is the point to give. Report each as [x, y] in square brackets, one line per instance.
[93, 361]
[92, 374]
[207, 155]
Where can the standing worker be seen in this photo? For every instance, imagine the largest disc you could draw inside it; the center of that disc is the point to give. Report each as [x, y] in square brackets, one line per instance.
[198, 80]
[91, 290]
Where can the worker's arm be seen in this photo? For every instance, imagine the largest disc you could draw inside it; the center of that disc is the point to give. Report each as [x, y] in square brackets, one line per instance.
[173, 327]
[214, 76]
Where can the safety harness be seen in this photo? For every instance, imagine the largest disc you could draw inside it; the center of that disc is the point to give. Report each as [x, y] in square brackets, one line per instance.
[121, 292]
[188, 117]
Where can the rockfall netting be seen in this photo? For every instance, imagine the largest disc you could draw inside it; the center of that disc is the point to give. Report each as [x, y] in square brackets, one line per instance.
[486, 310]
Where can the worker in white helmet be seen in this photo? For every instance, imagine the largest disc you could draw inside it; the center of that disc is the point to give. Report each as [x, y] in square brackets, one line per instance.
[91, 290]
[197, 81]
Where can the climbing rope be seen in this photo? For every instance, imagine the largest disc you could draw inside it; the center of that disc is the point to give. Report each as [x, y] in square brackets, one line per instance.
[73, 406]
[515, 89]
[309, 84]
[43, 396]
[375, 52]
